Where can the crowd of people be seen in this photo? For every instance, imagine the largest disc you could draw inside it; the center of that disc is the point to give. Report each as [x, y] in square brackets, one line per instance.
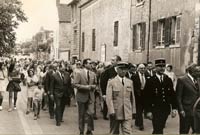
[122, 91]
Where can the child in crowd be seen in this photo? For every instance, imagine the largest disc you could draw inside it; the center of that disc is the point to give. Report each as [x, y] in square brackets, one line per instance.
[37, 100]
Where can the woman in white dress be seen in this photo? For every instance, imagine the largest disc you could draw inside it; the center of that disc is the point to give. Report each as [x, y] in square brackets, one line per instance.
[169, 72]
[32, 81]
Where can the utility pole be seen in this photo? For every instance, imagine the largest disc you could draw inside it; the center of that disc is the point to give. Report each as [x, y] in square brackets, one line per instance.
[149, 31]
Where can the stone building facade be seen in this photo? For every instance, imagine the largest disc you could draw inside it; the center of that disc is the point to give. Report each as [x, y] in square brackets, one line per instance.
[65, 31]
[75, 26]
[173, 34]
[137, 30]
[105, 29]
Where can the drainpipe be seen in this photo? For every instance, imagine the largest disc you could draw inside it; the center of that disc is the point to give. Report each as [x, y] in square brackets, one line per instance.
[80, 33]
[149, 31]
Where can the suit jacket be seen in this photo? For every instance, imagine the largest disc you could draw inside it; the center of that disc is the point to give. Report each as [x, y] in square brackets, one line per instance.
[137, 84]
[118, 98]
[105, 76]
[149, 75]
[48, 80]
[160, 96]
[84, 93]
[60, 87]
[187, 94]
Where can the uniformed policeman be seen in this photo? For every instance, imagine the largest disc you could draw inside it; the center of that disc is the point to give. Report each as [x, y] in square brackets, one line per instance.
[160, 98]
[119, 91]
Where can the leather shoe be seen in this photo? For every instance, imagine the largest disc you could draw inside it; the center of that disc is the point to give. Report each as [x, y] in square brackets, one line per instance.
[105, 118]
[62, 121]
[89, 133]
[141, 128]
[95, 118]
[81, 133]
[57, 123]
[51, 117]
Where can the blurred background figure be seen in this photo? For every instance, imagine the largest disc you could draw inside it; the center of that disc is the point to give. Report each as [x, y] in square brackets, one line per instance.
[2, 82]
[169, 72]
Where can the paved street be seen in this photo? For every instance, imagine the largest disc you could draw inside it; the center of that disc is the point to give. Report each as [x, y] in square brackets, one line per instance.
[17, 122]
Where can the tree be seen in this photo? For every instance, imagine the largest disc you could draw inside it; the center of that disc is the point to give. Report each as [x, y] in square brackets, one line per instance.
[11, 15]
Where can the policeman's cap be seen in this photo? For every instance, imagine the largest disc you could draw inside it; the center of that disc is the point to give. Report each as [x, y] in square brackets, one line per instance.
[160, 62]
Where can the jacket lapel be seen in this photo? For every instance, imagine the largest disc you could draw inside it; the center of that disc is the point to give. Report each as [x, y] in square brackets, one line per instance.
[190, 82]
[119, 82]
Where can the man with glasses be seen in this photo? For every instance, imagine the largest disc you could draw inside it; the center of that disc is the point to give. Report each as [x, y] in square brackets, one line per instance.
[139, 82]
[85, 82]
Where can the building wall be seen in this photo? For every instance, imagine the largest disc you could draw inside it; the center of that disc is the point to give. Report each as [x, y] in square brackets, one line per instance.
[75, 29]
[101, 15]
[65, 38]
[180, 56]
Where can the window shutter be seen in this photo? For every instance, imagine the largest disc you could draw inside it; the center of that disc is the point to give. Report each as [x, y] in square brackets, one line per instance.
[155, 33]
[83, 42]
[143, 34]
[178, 29]
[116, 26]
[93, 40]
[134, 37]
[168, 22]
[173, 30]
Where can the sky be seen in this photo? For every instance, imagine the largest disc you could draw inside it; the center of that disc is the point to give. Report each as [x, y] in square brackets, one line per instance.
[40, 13]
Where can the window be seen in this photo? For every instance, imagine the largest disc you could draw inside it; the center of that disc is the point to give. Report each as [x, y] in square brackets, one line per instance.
[166, 31]
[83, 41]
[139, 3]
[161, 32]
[139, 33]
[116, 28]
[93, 40]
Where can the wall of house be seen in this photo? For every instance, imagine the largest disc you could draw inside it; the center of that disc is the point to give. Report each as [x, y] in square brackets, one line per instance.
[101, 15]
[179, 56]
[75, 30]
[65, 38]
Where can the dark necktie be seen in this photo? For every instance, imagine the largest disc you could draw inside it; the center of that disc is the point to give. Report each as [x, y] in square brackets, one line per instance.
[88, 77]
[123, 81]
[161, 79]
[62, 76]
[196, 84]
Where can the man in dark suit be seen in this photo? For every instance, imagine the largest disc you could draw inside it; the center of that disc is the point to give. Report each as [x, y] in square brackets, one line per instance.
[132, 70]
[85, 82]
[160, 98]
[60, 87]
[187, 91]
[150, 70]
[47, 83]
[196, 110]
[105, 76]
[139, 81]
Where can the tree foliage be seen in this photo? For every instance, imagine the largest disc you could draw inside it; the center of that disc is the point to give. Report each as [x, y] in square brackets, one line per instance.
[11, 14]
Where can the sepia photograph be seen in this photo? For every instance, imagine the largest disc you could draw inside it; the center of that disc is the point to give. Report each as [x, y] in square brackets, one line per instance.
[96, 67]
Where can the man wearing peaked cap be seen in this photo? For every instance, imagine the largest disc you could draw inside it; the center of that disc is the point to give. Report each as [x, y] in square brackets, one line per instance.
[160, 62]
[160, 97]
[119, 91]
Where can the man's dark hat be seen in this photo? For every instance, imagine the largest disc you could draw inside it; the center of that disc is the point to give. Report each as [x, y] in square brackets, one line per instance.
[160, 62]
